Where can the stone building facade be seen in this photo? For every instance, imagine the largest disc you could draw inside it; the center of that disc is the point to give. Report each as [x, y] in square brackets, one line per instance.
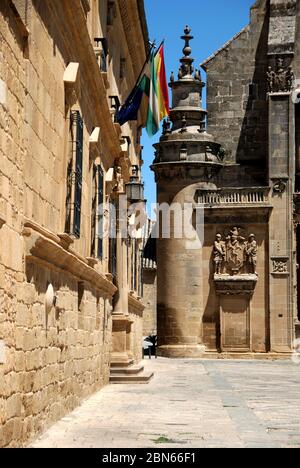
[238, 294]
[65, 66]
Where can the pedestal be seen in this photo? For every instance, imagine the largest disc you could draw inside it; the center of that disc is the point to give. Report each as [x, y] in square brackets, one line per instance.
[235, 294]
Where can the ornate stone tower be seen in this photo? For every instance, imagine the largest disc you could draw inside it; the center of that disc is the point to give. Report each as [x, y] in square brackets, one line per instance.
[187, 158]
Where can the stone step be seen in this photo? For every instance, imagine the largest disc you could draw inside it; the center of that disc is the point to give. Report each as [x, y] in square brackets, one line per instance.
[141, 378]
[131, 370]
[122, 364]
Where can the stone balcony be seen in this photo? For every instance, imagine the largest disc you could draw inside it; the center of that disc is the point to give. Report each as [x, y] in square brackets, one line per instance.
[237, 204]
[234, 196]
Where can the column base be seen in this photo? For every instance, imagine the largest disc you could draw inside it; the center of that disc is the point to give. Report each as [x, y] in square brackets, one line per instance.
[182, 351]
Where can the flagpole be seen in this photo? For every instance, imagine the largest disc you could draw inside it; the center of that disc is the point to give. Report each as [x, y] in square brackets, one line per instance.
[162, 43]
[146, 61]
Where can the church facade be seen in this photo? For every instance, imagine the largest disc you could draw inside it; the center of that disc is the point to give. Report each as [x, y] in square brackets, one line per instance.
[238, 293]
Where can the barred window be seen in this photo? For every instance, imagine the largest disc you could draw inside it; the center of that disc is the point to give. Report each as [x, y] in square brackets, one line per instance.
[74, 176]
[97, 213]
[112, 238]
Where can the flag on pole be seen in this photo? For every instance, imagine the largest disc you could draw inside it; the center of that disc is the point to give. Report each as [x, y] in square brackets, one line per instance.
[159, 96]
[129, 110]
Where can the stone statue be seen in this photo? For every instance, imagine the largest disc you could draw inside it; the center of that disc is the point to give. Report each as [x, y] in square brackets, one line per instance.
[251, 253]
[235, 251]
[219, 254]
[271, 79]
[166, 126]
[281, 79]
[119, 186]
[290, 77]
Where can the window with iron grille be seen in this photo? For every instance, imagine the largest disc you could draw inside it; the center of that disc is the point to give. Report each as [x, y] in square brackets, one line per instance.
[97, 224]
[113, 239]
[74, 176]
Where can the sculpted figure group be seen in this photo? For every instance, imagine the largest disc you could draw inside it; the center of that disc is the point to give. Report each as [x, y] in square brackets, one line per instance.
[234, 252]
[281, 79]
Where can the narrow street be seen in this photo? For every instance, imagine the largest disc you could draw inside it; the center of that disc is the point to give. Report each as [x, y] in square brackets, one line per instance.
[190, 403]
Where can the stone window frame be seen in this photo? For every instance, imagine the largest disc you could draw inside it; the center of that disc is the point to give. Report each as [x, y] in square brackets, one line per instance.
[74, 174]
[97, 216]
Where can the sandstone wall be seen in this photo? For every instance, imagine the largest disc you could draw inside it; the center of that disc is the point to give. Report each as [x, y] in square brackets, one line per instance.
[52, 359]
[150, 293]
[237, 92]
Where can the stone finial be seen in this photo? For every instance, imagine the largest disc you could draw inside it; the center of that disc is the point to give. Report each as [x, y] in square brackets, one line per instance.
[166, 126]
[198, 75]
[172, 78]
[186, 68]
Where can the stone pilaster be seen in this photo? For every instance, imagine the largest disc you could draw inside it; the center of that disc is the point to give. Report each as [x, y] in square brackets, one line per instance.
[281, 169]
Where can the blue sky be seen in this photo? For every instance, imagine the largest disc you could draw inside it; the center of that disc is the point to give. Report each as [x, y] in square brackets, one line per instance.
[213, 23]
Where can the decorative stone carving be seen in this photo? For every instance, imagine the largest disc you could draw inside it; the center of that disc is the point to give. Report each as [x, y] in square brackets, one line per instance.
[119, 185]
[166, 126]
[251, 253]
[235, 251]
[185, 170]
[236, 255]
[280, 79]
[280, 266]
[241, 285]
[219, 254]
[279, 186]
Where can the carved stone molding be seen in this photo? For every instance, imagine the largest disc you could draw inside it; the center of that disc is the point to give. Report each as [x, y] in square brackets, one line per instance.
[241, 285]
[280, 266]
[280, 78]
[71, 80]
[48, 249]
[236, 254]
[185, 171]
[279, 186]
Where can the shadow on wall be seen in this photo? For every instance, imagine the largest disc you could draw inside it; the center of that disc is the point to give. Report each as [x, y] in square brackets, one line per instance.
[55, 27]
[253, 143]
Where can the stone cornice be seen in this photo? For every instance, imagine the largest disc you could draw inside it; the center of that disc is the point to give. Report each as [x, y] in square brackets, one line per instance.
[43, 246]
[80, 49]
[131, 11]
[135, 305]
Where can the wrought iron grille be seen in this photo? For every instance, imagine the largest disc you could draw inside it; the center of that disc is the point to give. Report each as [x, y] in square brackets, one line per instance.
[74, 176]
[113, 240]
[97, 216]
[94, 212]
[100, 214]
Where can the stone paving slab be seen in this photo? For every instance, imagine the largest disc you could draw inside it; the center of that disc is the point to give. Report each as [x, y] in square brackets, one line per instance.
[190, 404]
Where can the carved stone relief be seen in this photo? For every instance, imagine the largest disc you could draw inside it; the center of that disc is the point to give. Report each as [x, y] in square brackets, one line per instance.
[280, 78]
[235, 255]
[280, 266]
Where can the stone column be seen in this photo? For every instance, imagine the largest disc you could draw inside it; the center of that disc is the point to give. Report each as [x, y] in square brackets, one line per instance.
[121, 355]
[179, 284]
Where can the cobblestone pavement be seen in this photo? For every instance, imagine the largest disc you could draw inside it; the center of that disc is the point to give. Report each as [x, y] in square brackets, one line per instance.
[190, 404]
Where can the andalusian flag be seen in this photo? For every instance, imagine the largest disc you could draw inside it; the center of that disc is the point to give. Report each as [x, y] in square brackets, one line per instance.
[159, 96]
